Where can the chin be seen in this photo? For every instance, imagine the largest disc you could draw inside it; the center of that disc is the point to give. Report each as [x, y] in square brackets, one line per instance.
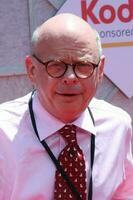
[68, 113]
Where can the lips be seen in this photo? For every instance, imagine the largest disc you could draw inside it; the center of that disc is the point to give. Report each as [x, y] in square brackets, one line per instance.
[69, 94]
[69, 90]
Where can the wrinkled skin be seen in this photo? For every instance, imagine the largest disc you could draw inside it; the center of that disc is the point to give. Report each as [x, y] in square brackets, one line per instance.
[68, 38]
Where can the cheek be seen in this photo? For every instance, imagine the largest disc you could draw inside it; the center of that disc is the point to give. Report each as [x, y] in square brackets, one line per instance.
[46, 85]
[41, 80]
[90, 88]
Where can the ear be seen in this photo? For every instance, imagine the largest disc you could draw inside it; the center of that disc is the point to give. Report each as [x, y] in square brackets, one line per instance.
[30, 68]
[101, 68]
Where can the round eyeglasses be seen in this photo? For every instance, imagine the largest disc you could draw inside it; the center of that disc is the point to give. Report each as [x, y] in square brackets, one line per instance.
[57, 68]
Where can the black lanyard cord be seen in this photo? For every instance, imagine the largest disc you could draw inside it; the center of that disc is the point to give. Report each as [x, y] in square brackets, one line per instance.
[56, 162]
[92, 152]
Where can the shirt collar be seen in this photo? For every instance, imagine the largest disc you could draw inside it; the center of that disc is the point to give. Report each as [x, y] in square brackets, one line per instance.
[48, 124]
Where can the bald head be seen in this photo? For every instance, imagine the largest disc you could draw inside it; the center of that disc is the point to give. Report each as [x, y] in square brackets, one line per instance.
[66, 36]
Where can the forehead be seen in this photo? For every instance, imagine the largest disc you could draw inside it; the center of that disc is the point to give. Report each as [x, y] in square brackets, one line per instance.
[71, 40]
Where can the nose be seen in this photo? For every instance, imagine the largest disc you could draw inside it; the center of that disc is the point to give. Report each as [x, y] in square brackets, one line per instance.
[70, 77]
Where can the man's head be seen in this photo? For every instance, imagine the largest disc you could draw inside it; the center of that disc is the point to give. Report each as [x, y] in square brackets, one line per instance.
[67, 39]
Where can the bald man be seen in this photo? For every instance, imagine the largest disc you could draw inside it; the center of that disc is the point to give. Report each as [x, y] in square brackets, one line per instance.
[38, 160]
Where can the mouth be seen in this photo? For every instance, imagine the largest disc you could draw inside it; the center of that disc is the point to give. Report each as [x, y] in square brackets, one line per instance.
[68, 94]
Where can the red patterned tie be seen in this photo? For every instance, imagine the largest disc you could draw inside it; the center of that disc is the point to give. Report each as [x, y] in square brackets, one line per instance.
[72, 160]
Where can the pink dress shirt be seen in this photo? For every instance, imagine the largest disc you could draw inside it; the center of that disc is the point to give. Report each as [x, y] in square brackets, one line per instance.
[26, 170]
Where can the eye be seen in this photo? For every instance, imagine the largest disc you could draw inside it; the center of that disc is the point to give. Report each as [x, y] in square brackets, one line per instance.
[84, 68]
[55, 68]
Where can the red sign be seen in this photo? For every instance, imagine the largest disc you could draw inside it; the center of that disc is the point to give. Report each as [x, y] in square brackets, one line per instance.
[88, 11]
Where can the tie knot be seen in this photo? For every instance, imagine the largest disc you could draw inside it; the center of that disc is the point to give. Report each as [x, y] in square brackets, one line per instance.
[69, 133]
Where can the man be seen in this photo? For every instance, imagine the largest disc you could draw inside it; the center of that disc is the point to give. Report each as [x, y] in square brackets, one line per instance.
[66, 67]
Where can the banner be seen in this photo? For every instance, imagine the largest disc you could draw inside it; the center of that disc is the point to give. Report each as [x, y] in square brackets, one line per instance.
[114, 22]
